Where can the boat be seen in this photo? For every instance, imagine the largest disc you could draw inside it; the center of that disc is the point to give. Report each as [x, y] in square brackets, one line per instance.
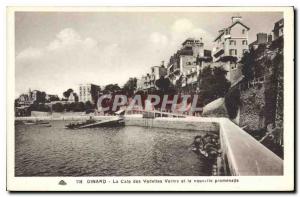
[42, 122]
[77, 125]
[92, 124]
[36, 122]
[29, 122]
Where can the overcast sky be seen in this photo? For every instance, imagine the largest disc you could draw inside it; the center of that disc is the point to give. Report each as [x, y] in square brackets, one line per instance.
[56, 51]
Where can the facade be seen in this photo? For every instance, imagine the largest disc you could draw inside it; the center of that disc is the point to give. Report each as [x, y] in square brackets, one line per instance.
[35, 96]
[88, 92]
[278, 29]
[186, 64]
[148, 81]
[184, 59]
[71, 98]
[231, 41]
[229, 47]
[24, 100]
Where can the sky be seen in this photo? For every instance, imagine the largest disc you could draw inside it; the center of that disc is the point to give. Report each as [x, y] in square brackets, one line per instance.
[60, 50]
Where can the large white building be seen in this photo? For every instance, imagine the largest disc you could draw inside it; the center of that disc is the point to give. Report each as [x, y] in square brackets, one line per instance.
[88, 92]
[186, 64]
[230, 46]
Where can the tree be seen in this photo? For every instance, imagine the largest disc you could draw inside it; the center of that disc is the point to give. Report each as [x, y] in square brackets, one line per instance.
[67, 93]
[221, 85]
[112, 88]
[76, 97]
[88, 105]
[58, 107]
[248, 63]
[54, 98]
[130, 86]
[233, 102]
[213, 83]
[163, 84]
[79, 107]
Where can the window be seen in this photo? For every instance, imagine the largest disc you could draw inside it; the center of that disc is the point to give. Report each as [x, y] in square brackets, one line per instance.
[232, 52]
[244, 42]
[232, 42]
[233, 66]
[243, 31]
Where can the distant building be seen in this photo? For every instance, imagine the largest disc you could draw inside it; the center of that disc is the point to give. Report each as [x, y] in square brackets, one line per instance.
[35, 95]
[189, 59]
[88, 92]
[148, 81]
[156, 73]
[278, 29]
[51, 97]
[24, 100]
[31, 97]
[71, 98]
[261, 38]
[231, 41]
[140, 84]
[229, 47]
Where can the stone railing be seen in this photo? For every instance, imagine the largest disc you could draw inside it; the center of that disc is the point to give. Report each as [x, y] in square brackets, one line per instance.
[242, 155]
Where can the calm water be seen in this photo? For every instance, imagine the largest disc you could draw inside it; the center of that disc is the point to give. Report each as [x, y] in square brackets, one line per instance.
[125, 151]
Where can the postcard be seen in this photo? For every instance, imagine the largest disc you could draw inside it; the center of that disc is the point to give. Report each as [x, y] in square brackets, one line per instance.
[150, 99]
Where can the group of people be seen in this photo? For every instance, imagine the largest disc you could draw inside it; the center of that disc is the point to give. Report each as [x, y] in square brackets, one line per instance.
[207, 145]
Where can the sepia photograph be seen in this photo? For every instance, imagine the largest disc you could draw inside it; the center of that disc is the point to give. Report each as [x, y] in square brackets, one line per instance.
[150, 92]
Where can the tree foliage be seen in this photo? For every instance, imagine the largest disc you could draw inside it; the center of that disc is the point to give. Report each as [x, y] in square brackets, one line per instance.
[67, 93]
[247, 65]
[130, 86]
[164, 84]
[213, 83]
[112, 88]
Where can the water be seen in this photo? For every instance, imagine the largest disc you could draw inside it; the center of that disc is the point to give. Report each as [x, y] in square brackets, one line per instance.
[124, 151]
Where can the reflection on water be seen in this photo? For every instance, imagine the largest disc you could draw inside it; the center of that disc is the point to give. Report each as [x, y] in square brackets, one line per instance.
[125, 151]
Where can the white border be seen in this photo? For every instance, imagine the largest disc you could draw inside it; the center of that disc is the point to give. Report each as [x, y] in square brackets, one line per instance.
[276, 183]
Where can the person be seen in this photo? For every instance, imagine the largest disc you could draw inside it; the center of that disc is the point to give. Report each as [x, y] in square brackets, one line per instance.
[269, 134]
[198, 142]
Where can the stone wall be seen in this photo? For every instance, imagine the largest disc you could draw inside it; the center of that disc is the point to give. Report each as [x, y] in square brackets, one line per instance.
[200, 124]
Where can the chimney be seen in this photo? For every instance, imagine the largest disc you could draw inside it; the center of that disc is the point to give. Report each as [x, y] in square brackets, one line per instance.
[162, 63]
[236, 18]
[270, 38]
[262, 38]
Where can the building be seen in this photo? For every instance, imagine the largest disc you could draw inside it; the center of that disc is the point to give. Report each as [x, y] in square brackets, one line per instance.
[35, 95]
[231, 41]
[24, 100]
[186, 64]
[71, 98]
[88, 92]
[156, 73]
[229, 47]
[278, 29]
[51, 97]
[187, 60]
[261, 38]
[139, 84]
[148, 81]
